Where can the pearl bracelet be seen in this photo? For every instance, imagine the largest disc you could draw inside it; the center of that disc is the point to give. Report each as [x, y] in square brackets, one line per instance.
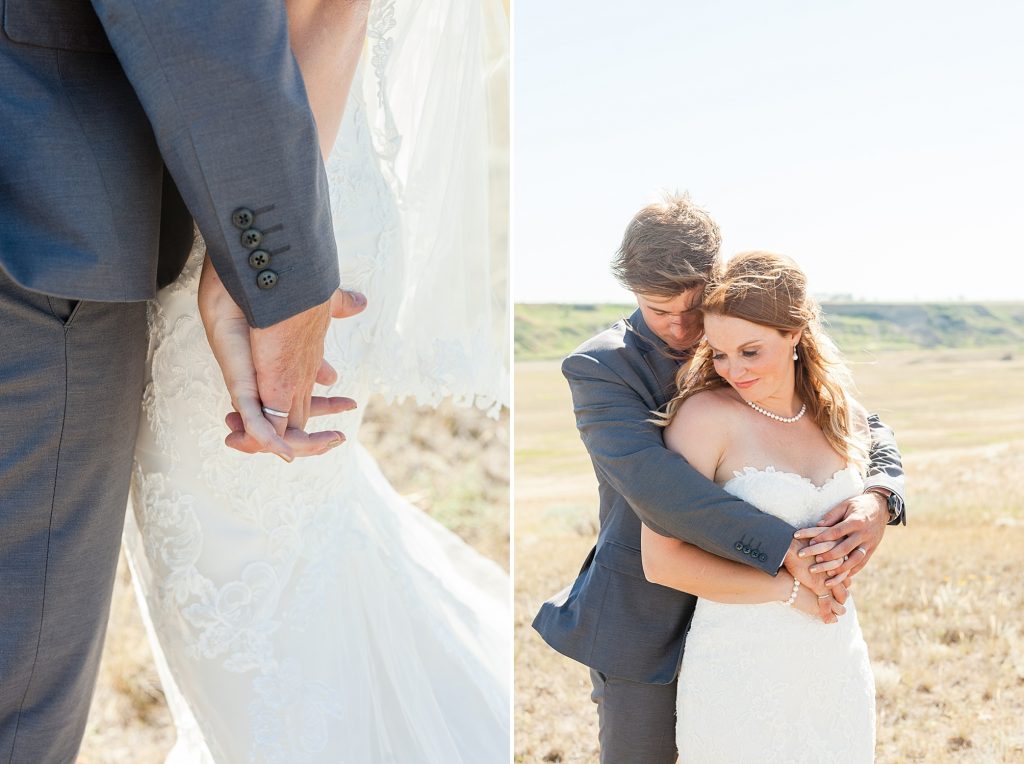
[792, 595]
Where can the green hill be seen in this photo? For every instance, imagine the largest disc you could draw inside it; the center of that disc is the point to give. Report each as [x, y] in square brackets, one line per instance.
[545, 331]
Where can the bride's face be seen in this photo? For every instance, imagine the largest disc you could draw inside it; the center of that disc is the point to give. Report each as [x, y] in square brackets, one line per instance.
[757, 361]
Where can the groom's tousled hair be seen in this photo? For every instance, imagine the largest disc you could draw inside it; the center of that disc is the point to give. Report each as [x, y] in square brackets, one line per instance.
[669, 247]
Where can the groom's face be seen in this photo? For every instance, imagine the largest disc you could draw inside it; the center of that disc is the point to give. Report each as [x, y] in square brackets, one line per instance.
[677, 319]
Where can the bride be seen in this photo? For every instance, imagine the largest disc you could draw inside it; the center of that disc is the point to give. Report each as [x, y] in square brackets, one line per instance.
[765, 411]
[305, 612]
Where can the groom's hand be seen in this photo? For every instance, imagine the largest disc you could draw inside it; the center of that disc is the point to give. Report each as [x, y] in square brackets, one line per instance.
[289, 355]
[299, 442]
[230, 339]
[847, 536]
[252, 422]
[286, 357]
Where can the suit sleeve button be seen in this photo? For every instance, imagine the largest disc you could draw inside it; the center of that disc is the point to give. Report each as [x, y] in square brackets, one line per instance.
[259, 259]
[746, 550]
[251, 238]
[763, 557]
[242, 218]
[738, 546]
[266, 279]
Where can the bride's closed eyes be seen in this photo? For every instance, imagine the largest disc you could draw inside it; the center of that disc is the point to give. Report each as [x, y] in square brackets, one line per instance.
[717, 355]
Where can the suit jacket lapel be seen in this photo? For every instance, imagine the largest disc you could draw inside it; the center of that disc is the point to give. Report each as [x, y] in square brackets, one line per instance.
[656, 355]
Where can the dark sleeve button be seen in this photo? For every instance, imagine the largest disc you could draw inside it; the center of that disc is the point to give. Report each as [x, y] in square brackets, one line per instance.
[746, 550]
[242, 218]
[738, 546]
[763, 557]
[266, 279]
[259, 259]
[251, 238]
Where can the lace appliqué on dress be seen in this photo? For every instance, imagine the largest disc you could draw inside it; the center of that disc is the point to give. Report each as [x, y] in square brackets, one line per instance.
[260, 578]
[745, 666]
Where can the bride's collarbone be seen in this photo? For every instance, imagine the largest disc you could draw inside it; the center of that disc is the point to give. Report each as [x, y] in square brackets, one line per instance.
[753, 440]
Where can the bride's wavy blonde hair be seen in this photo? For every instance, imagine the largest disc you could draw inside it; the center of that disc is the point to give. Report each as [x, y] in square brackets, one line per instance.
[771, 290]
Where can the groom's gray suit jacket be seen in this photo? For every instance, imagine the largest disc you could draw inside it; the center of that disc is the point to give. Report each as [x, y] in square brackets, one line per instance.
[611, 618]
[115, 112]
[120, 122]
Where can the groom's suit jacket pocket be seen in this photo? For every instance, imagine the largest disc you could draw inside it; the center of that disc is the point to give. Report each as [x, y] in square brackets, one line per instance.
[83, 190]
[621, 559]
[63, 24]
[605, 619]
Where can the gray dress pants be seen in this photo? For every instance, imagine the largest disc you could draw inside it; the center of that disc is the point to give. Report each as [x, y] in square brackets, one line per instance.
[71, 380]
[637, 721]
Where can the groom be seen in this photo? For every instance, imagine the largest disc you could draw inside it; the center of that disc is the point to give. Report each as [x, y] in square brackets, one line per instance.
[121, 121]
[631, 633]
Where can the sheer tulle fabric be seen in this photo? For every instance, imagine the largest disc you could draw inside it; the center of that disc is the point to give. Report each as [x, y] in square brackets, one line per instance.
[438, 111]
[306, 612]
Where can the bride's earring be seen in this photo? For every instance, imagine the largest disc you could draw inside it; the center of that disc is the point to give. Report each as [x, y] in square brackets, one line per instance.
[795, 356]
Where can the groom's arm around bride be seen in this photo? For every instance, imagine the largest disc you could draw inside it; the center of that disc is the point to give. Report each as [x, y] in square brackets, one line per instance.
[630, 632]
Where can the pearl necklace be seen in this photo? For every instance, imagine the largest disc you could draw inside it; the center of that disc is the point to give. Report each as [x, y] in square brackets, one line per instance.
[776, 417]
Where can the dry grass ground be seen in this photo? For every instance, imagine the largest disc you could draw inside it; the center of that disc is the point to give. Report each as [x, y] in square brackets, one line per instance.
[941, 604]
[453, 463]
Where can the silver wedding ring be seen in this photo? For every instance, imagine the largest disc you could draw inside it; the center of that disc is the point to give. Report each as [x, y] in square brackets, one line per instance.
[824, 596]
[862, 550]
[274, 412]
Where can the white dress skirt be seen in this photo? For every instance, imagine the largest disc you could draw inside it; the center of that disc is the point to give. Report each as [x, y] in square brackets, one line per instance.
[307, 612]
[768, 683]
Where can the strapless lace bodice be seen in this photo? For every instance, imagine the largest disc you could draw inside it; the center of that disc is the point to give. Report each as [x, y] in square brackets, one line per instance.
[792, 497]
[766, 682]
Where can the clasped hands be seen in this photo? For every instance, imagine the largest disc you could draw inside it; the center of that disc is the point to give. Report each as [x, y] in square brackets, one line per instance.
[824, 558]
[274, 368]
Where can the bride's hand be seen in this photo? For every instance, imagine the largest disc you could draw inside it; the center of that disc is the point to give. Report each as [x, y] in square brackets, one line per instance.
[798, 563]
[857, 525]
[819, 549]
[825, 609]
[229, 337]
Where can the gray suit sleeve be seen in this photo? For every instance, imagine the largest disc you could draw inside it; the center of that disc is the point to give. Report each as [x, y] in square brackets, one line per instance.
[226, 100]
[885, 468]
[669, 495]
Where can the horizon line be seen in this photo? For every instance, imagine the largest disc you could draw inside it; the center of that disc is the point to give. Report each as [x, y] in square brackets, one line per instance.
[825, 298]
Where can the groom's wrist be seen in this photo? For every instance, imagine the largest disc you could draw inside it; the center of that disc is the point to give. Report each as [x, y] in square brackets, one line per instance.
[891, 502]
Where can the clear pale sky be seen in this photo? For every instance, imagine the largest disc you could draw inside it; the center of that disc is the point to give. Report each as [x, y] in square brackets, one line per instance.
[880, 144]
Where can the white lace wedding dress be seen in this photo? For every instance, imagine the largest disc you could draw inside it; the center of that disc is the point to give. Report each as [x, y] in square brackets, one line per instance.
[306, 612]
[770, 684]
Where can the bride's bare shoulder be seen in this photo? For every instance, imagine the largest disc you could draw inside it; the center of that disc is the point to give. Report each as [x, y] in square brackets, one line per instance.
[704, 418]
[708, 406]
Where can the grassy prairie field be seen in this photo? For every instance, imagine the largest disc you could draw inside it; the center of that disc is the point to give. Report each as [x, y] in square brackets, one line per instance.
[452, 462]
[941, 604]
[546, 331]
